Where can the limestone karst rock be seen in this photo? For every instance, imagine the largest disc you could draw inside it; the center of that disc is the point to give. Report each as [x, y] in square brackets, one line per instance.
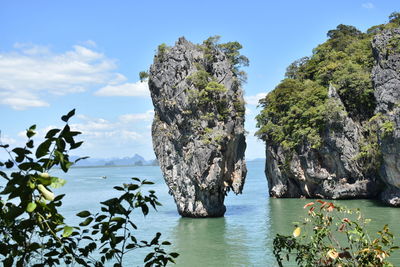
[198, 128]
[358, 155]
[386, 79]
[330, 171]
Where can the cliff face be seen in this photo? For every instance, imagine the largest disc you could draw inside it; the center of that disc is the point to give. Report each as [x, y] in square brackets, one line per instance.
[198, 128]
[357, 158]
[330, 171]
[386, 79]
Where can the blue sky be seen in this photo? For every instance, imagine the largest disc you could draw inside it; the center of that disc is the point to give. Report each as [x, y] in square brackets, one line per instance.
[60, 55]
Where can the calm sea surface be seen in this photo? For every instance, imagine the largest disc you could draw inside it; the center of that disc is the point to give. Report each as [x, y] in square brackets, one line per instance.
[242, 238]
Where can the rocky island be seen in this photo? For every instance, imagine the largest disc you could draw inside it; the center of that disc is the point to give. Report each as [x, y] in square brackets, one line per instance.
[332, 126]
[198, 129]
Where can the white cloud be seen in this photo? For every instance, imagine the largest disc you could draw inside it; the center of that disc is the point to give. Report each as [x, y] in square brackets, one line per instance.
[6, 140]
[30, 49]
[20, 103]
[130, 135]
[119, 131]
[368, 5]
[94, 127]
[127, 89]
[122, 136]
[111, 137]
[253, 99]
[249, 112]
[90, 43]
[127, 118]
[29, 73]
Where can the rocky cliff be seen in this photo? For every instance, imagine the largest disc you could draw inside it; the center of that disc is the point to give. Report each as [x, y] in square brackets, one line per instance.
[386, 79]
[346, 144]
[198, 128]
[329, 171]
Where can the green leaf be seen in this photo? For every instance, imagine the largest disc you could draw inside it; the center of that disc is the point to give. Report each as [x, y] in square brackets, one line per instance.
[3, 174]
[68, 116]
[8, 261]
[59, 156]
[60, 145]
[86, 222]
[14, 212]
[34, 246]
[31, 131]
[8, 189]
[118, 219]
[83, 214]
[82, 158]
[133, 187]
[145, 209]
[76, 145]
[155, 239]
[21, 152]
[67, 231]
[9, 164]
[66, 165]
[29, 144]
[26, 166]
[100, 218]
[52, 253]
[51, 133]
[81, 261]
[129, 246]
[149, 256]
[174, 254]
[43, 149]
[133, 225]
[59, 197]
[74, 133]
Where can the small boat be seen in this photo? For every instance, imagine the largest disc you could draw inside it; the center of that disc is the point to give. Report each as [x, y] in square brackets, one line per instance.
[104, 177]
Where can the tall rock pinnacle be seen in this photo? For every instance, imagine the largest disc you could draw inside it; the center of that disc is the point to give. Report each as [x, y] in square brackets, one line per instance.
[198, 128]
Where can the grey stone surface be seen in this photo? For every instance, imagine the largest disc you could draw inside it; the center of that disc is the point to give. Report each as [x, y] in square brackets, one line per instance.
[386, 79]
[332, 171]
[201, 156]
[386, 72]
[327, 172]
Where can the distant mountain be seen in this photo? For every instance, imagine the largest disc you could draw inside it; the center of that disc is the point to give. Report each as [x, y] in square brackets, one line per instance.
[136, 160]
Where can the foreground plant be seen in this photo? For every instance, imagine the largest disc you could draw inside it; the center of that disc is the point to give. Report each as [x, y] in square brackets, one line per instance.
[334, 236]
[33, 232]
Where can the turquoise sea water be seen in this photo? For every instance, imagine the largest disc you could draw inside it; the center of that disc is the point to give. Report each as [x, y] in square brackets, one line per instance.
[242, 238]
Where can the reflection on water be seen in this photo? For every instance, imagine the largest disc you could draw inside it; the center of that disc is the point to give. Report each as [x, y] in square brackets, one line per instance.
[205, 242]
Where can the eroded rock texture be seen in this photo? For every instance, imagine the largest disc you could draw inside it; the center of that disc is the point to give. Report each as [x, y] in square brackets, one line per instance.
[198, 128]
[336, 169]
[330, 171]
[386, 79]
